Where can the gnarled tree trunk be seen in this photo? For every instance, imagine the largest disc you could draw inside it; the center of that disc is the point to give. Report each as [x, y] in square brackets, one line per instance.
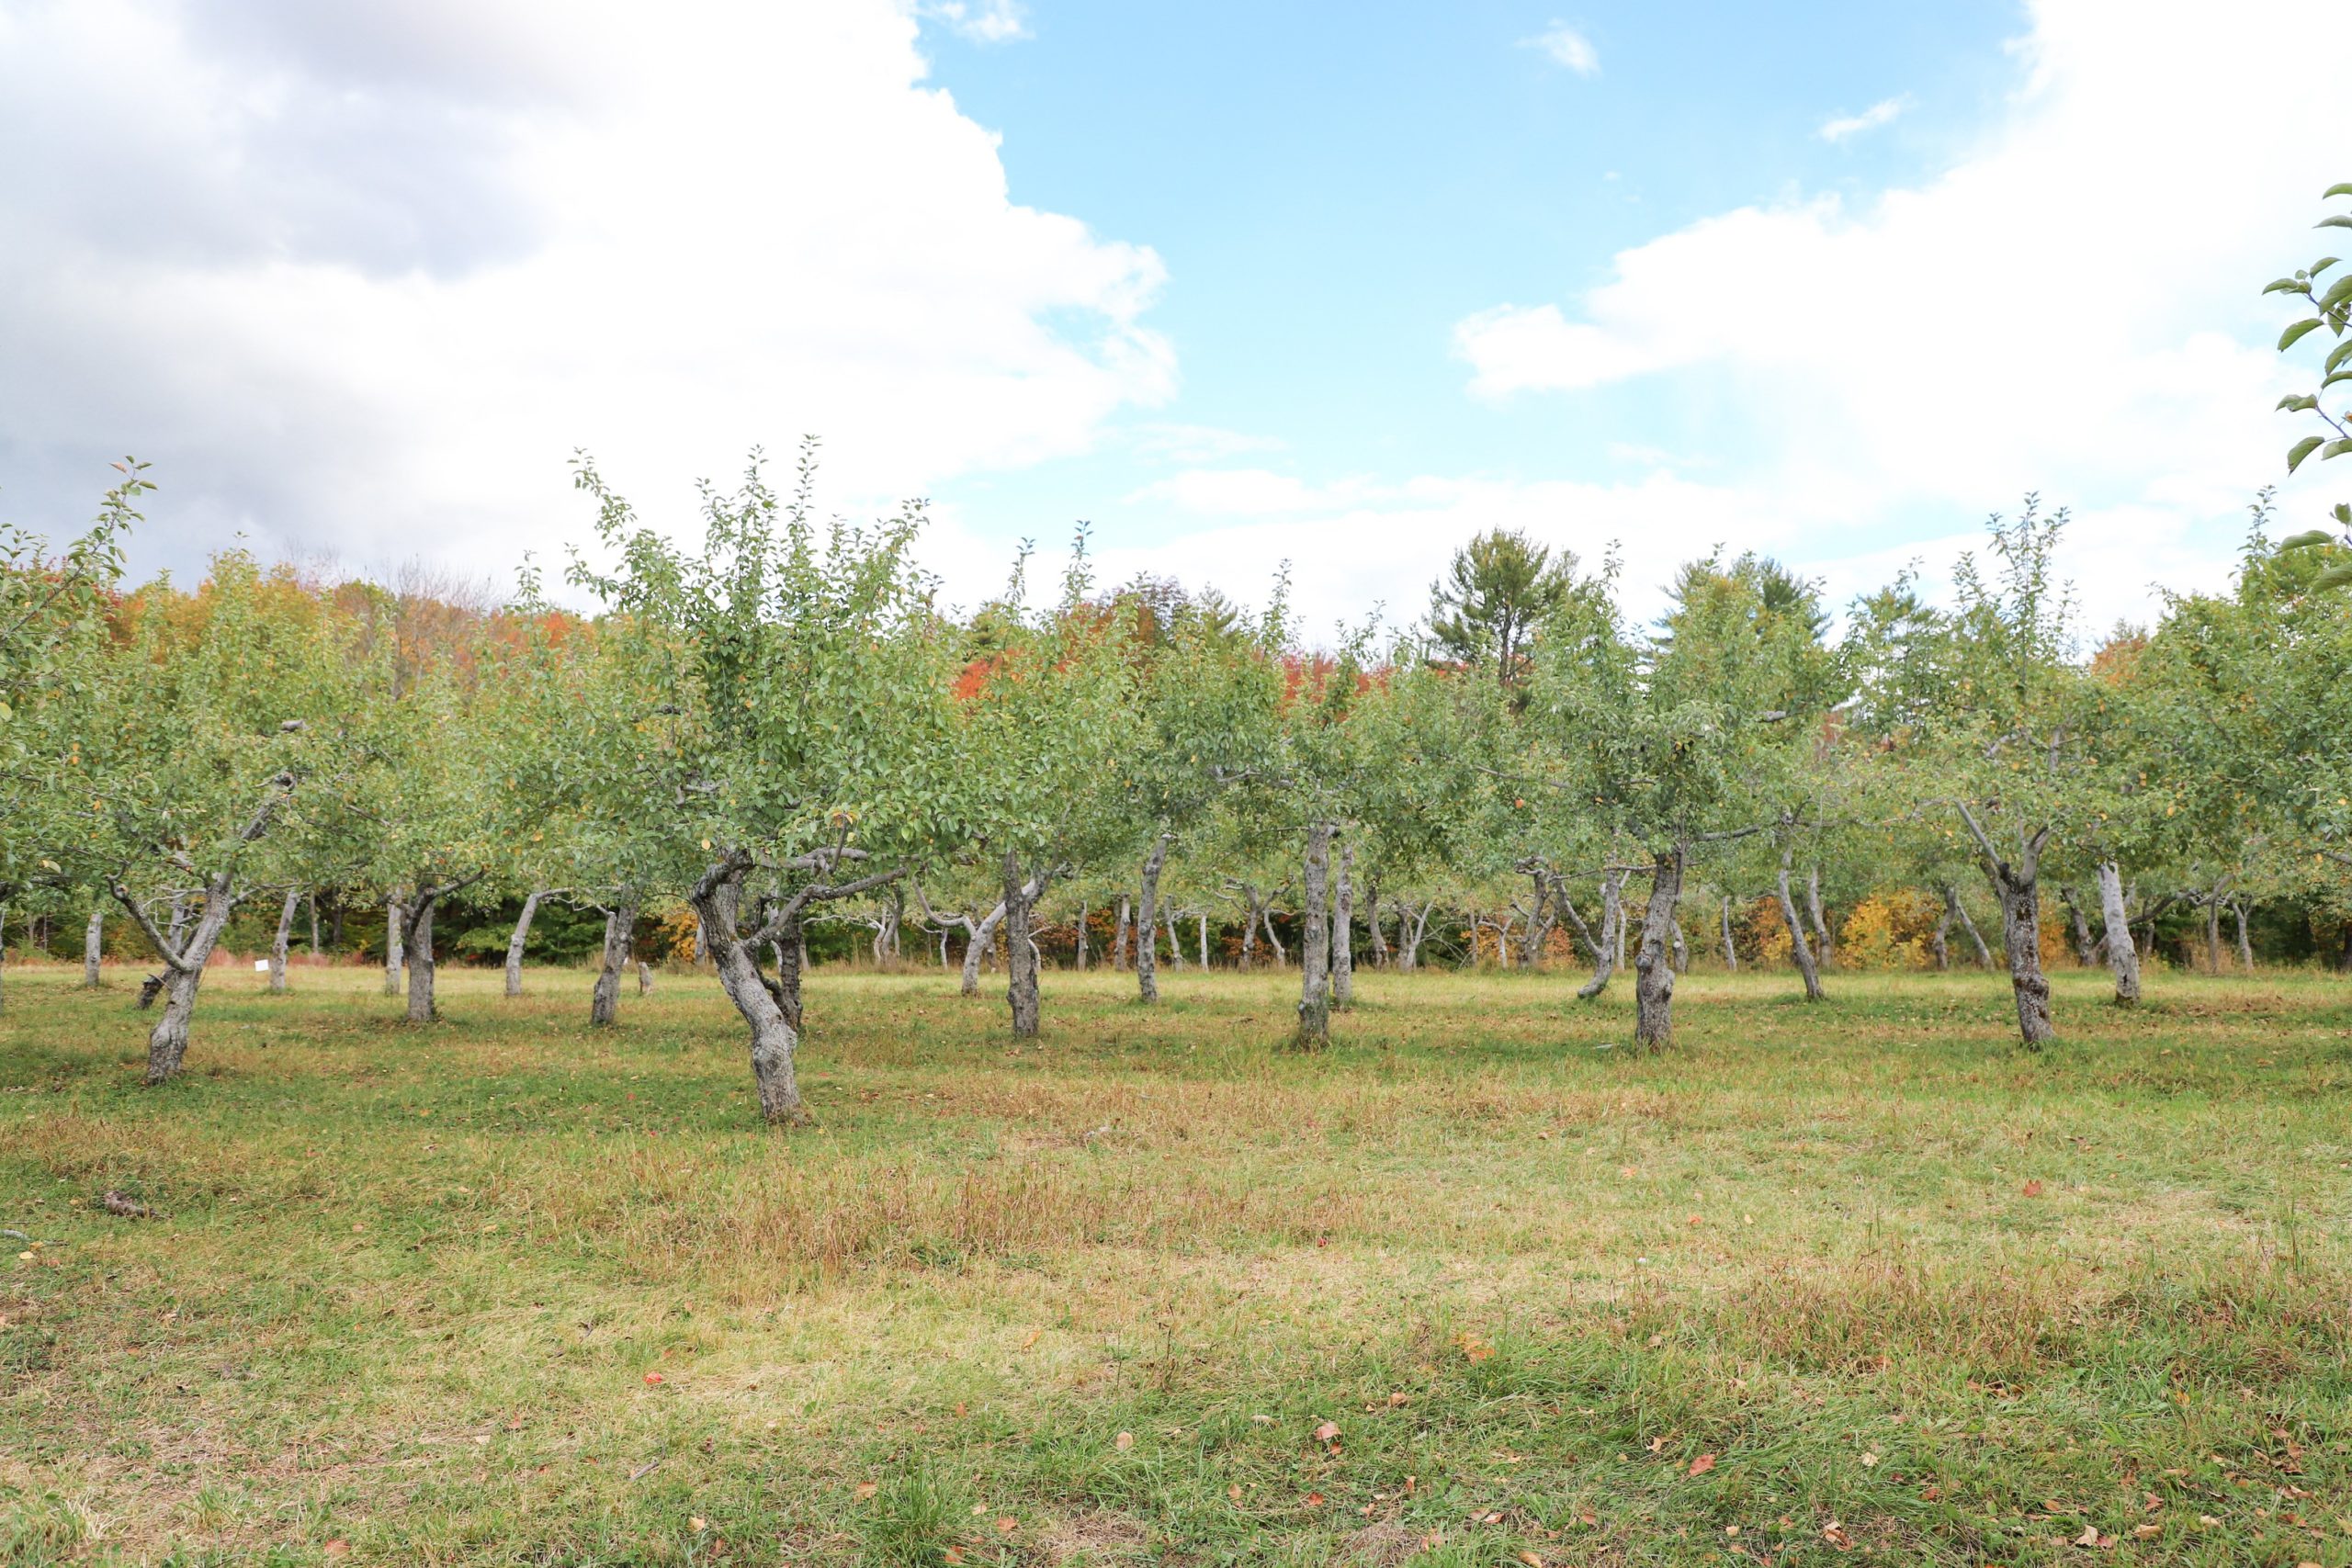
[1731, 952]
[93, 943]
[522, 936]
[1799, 948]
[2245, 947]
[1147, 922]
[1372, 920]
[395, 922]
[1082, 912]
[717, 899]
[1828, 944]
[1119, 937]
[1600, 947]
[1653, 967]
[1343, 928]
[2122, 957]
[418, 944]
[1314, 943]
[2017, 884]
[285, 934]
[982, 934]
[620, 935]
[1019, 953]
[2085, 947]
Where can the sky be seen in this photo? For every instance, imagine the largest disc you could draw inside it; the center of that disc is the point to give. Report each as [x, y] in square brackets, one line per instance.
[1244, 288]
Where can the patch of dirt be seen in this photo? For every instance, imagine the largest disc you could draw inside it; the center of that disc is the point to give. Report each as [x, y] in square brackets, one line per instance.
[1098, 1537]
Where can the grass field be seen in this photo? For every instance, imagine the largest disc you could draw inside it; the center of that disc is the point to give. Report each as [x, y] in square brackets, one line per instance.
[1854, 1283]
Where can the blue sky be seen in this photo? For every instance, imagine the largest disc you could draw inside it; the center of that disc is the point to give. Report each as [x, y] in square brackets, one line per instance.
[1332, 197]
[1329, 285]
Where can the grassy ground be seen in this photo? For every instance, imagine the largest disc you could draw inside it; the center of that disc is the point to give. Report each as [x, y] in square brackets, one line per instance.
[1853, 1283]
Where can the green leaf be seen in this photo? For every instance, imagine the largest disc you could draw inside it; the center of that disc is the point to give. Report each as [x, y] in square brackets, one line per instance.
[2337, 355]
[2285, 285]
[2298, 402]
[2336, 190]
[2320, 266]
[2335, 575]
[2332, 380]
[2343, 514]
[2338, 295]
[2338, 221]
[2335, 448]
[2302, 449]
[2307, 539]
[2287, 339]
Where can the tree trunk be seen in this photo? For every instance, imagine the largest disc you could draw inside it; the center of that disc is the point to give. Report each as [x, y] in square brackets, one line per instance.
[1082, 912]
[2213, 935]
[1204, 938]
[1829, 946]
[1409, 947]
[620, 938]
[1020, 953]
[514, 944]
[312, 901]
[717, 900]
[418, 952]
[1959, 912]
[278, 948]
[2085, 953]
[2122, 957]
[1681, 950]
[982, 934]
[1653, 971]
[4, 958]
[395, 917]
[1799, 948]
[1249, 927]
[183, 974]
[2245, 947]
[93, 943]
[1937, 943]
[1731, 952]
[1624, 918]
[1169, 915]
[1343, 928]
[2021, 942]
[1273, 937]
[1601, 947]
[1119, 938]
[1314, 942]
[1147, 922]
[791, 949]
[1379, 937]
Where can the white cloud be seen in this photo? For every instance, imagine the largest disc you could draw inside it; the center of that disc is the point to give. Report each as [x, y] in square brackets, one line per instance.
[983, 21]
[359, 279]
[1567, 47]
[2071, 307]
[1880, 113]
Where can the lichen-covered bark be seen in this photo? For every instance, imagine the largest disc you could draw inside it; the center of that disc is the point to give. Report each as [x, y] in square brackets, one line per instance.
[1800, 949]
[2022, 940]
[422, 1005]
[982, 934]
[1731, 952]
[2122, 957]
[1148, 922]
[1343, 928]
[1958, 911]
[395, 922]
[1825, 943]
[1314, 945]
[520, 939]
[285, 933]
[94, 942]
[1653, 963]
[620, 935]
[1020, 953]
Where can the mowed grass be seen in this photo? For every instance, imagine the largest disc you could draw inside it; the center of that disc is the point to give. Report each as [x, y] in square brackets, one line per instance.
[1852, 1283]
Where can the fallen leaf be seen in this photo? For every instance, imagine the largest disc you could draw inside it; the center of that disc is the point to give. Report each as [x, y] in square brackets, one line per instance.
[2088, 1538]
[1530, 1560]
[652, 1377]
[1869, 1460]
[697, 1523]
[867, 1488]
[1314, 1499]
[338, 1547]
[1033, 1338]
[1006, 1527]
[1325, 1432]
[1834, 1534]
[1234, 1492]
[1124, 1441]
[1588, 1518]
[2033, 1189]
[953, 1554]
[2147, 1531]
[1702, 1464]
